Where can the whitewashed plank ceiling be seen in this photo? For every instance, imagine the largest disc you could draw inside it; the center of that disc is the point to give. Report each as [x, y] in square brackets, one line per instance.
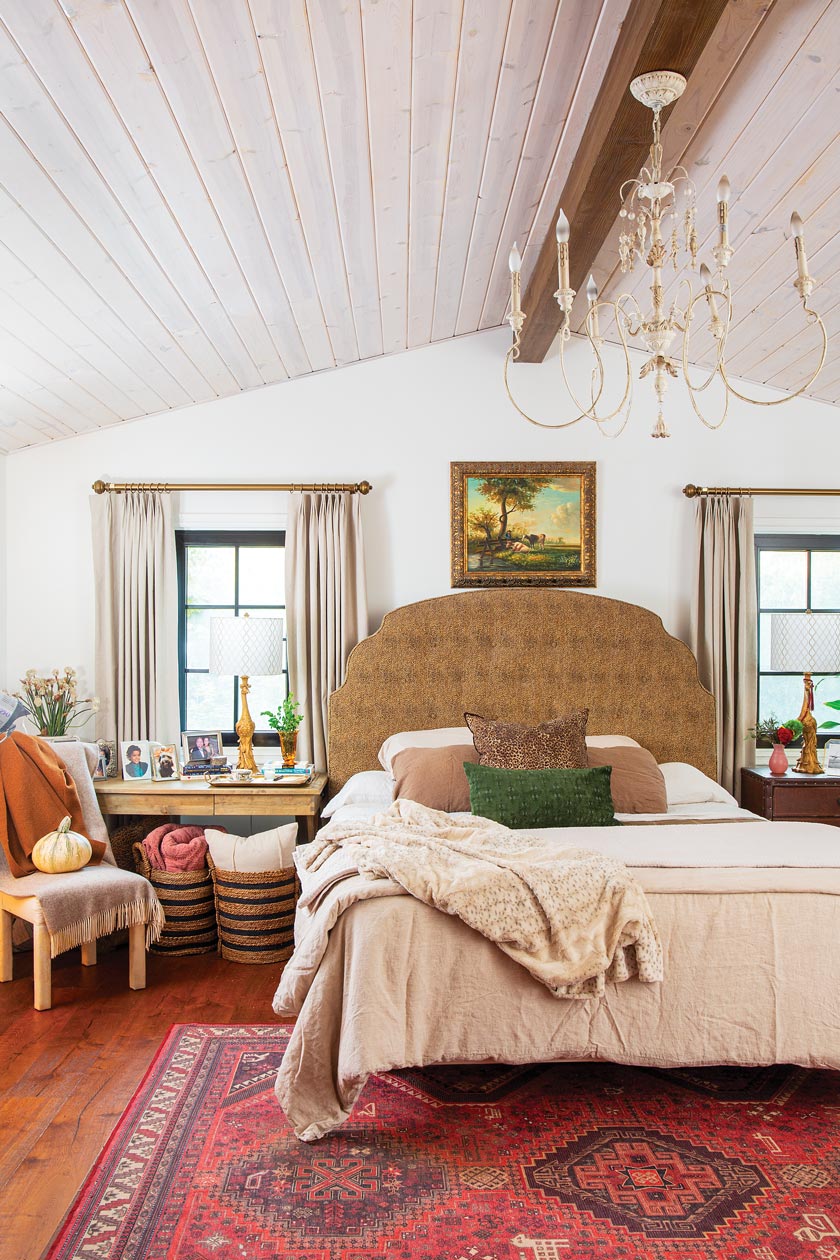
[199, 197]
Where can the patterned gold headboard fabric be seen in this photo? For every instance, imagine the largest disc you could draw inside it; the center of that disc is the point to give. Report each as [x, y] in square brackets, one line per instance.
[524, 656]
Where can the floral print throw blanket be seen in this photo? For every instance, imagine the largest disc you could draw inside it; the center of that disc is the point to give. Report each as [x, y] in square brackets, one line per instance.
[572, 918]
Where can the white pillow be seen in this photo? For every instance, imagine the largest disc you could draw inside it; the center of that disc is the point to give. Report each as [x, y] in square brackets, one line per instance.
[686, 785]
[443, 736]
[271, 850]
[369, 787]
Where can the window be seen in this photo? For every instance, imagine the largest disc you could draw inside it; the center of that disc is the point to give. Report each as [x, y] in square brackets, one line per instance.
[795, 572]
[225, 574]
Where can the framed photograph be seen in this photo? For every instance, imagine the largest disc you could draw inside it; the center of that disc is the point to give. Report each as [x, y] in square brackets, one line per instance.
[106, 766]
[136, 758]
[523, 524]
[831, 756]
[201, 745]
[165, 762]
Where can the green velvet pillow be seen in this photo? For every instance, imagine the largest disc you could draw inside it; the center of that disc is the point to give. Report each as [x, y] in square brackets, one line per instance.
[542, 798]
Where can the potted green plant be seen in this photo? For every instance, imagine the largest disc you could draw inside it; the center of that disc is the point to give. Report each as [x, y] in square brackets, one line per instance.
[286, 721]
[764, 732]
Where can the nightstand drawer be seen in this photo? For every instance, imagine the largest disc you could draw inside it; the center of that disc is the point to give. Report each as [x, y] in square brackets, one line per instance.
[807, 801]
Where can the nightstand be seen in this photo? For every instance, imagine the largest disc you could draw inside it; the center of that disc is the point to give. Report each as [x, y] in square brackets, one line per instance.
[791, 797]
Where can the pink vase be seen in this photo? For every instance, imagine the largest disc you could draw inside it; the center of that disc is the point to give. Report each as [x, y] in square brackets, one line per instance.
[778, 762]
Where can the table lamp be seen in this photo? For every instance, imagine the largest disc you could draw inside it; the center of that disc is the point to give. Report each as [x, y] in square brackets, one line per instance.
[811, 640]
[247, 647]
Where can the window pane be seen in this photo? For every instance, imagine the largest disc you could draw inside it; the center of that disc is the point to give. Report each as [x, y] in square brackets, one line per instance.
[265, 693]
[779, 696]
[826, 688]
[825, 579]
[209, 702]
[261, 575]
[210, 575]
[765, 621]
[783, 579]
[198, 635]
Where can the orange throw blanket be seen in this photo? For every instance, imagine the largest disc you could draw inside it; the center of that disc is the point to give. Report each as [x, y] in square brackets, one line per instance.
[36, 792]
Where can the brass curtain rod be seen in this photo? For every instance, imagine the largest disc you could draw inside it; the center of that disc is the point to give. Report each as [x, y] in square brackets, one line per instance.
[695, 492]
[165, 487]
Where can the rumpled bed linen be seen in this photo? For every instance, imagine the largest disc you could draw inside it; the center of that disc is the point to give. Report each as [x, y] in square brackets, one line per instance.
[752, 976]
[571, 917]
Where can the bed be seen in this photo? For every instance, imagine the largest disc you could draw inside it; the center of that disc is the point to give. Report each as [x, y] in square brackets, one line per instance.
[748, 913]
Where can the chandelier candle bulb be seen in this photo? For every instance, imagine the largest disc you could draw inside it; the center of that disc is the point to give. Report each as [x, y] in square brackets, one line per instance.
[515, 265]
[563, 252]
[797, 228]
[723, 190]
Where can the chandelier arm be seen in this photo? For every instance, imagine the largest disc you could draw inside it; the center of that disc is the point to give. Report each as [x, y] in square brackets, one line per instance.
[629, 371]
[813, 318]
[721, 342]
[511, 356]
[699, 413]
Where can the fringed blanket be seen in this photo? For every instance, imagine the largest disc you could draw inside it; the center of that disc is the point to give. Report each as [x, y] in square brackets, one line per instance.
[80, 905]
[571, 917]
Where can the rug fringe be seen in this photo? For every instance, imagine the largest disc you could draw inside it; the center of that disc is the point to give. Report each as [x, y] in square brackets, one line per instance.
[126, 915]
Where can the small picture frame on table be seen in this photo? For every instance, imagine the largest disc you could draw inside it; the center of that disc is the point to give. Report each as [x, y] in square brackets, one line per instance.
[831, 756]
[106, 766]
[201, 746]
[136, 759]
[165, 762]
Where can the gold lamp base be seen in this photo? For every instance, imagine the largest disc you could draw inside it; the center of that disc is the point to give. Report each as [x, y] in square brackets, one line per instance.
[808, 762]
[245, 729]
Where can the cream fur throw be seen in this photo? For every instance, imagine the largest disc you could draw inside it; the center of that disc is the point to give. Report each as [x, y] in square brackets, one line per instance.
[571, 917]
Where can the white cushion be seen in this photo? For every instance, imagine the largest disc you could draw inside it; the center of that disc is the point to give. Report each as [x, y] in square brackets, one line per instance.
[443, 736]
[369, 787]
[271, 850]
[686, 785]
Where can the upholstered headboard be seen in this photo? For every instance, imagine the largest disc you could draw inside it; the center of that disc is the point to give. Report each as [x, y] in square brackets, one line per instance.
[526, 656]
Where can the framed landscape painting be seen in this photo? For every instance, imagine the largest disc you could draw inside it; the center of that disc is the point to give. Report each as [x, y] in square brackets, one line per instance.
[518, 524]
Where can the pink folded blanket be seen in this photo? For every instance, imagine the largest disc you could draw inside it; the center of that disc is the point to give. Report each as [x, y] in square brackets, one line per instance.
[173, 847]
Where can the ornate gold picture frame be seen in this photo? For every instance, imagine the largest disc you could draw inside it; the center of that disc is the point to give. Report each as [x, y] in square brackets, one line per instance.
[523, 524]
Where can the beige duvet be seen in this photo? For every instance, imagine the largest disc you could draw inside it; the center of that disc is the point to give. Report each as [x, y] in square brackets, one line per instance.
[751, 951]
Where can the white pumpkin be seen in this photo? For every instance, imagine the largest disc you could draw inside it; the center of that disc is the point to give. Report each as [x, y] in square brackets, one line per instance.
[62, 850]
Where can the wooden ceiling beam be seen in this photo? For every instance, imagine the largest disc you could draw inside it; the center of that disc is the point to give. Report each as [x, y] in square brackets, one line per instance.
[657, 35]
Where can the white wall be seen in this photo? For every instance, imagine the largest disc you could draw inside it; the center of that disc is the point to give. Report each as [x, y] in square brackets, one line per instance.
[398, 422]
[4, 680]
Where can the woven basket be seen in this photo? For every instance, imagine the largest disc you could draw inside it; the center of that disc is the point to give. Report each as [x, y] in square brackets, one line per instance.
[187, 900]
[255, 912]
[124, 837]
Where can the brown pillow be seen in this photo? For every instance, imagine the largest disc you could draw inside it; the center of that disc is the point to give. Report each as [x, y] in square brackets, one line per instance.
[435, 776]
[637, 783]
[556, 745]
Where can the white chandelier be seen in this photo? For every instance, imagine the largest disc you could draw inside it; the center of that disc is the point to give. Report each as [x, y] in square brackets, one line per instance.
[650, 210]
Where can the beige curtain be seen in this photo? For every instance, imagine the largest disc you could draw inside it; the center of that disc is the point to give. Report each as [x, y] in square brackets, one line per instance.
[723, 625]
[326, 605]
[136, 616]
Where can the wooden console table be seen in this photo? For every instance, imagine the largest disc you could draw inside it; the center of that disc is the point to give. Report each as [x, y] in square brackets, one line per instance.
[197, 797]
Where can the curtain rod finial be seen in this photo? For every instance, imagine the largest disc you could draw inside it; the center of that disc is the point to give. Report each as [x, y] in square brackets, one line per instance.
[99, 487]
[691, 492]
[365, 487]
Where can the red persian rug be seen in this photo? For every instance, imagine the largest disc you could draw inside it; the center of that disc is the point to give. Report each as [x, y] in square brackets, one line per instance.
[480, 1163]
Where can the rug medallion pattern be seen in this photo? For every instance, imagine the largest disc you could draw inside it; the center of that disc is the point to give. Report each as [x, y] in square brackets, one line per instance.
[479, 1163]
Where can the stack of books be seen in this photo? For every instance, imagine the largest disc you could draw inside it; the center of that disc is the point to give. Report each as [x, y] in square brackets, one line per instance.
[300, 773]
[197, 769]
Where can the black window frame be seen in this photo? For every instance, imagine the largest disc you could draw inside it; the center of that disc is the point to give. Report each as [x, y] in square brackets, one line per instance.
[235, 538]
[788, 542]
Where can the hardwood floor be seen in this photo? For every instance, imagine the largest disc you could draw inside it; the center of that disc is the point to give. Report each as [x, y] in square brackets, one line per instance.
[67, 1074]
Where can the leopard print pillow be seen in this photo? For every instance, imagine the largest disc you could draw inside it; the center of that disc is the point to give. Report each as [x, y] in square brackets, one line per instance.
[556, 745]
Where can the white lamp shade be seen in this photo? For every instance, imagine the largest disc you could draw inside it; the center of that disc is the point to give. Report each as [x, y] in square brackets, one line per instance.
[251, 646]
[801, 641]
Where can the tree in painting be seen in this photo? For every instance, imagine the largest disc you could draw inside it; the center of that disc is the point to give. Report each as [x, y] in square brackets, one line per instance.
[512, 494]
